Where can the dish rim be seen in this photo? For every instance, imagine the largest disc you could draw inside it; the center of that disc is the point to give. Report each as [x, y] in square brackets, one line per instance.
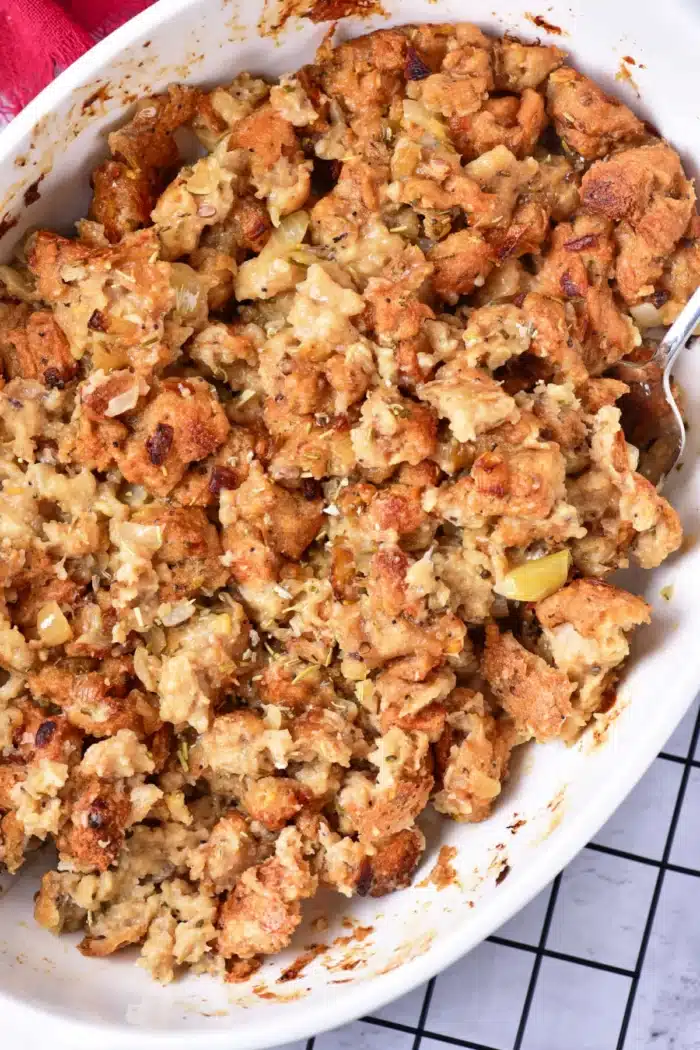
[547, 861]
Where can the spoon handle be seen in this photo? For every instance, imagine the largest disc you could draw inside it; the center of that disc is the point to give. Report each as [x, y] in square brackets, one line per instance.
[666, 355]
[678, 334]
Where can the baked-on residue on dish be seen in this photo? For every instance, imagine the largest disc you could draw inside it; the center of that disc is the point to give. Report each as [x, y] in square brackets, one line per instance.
[312, 477]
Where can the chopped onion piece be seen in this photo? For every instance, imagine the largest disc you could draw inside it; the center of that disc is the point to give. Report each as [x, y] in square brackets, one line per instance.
[52, 626]
[537, 579]
[109, 359]
[273, 270]
[172, 615]
[646, 315]
[125, 401]
[135, 495]
[146, 668]
[416, 113]
[134, 535]
[190, 293]
[287, 237]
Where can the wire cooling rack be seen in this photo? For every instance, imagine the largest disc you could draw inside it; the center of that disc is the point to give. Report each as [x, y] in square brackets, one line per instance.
[606, 958]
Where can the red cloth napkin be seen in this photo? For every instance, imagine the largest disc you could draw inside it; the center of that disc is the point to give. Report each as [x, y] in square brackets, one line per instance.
[39, 38]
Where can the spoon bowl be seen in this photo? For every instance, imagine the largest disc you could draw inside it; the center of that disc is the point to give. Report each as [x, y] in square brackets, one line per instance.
[652, 415]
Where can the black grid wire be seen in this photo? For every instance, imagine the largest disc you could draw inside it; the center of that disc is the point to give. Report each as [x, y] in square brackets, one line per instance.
[664, 866]
[423, 1030]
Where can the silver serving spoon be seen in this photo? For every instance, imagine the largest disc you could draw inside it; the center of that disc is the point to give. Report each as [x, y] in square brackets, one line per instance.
[650, 407]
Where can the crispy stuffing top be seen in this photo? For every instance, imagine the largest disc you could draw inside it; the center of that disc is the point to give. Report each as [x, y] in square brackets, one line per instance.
[312, 475]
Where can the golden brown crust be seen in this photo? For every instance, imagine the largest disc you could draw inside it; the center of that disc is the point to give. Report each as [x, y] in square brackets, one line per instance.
[93, 838]
[261, 912]
[274, 801]
[12, 842]
[191, 550]
[519, 67]
[54, 909]
[98, 702]
[266, 134]
[472, 757]
[109, 300]
[589, 121]
[589, 603]
[146, 142]
[49, 736]
[512, 121]
[123, 198]
[12, 772]
[182, 424]
[131, 931]
[367, 72]
[38, 350]
[462, 261]
[645, 192]
[537, 697]
[286, 521]
[392, 865]
[255, 922]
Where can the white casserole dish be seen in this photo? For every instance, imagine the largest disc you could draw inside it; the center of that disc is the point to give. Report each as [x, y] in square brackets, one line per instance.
[562, 795]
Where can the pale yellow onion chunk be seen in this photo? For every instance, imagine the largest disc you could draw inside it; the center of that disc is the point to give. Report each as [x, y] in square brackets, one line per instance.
[52, 626]
[537, 579]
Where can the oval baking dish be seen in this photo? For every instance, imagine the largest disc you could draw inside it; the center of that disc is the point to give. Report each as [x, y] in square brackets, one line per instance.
[557, 797]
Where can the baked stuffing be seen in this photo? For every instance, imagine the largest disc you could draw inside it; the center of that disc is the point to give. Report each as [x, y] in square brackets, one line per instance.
[313, 477]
